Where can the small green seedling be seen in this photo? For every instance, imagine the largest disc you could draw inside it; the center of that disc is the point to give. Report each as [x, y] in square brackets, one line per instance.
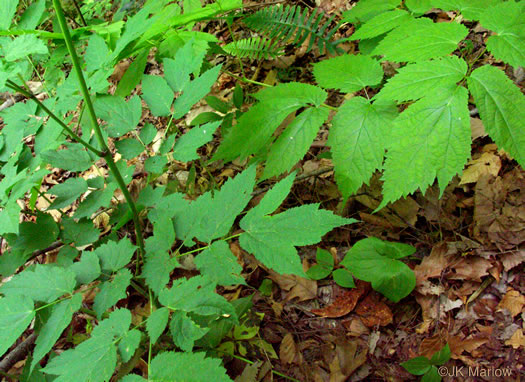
[428, 367]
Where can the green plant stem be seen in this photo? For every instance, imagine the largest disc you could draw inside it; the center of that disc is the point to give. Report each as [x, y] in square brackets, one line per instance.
[207, 246]
[84, 23]
[10, 84]
[247, 80]
[96, 127]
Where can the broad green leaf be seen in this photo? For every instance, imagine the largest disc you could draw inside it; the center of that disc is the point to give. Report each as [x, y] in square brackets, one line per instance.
[358, 139]
[187, 367]
[273, 198]
[186, 146]
[364, 10]
[417, 366]
[87, 269]
[501, 106]
[419, 6]
[16, 313]
[94, 360]
[324, 266]
[196, 295]
[59, 319]
[155, 164]
[254, 129]
[49, 138]
[159, 264]
[133, 75]
[177, 71]
[508, 21]
[272, 239]
[9, 217]
[194, 91]
[95, 200]
[157, 322]
[349, 73]
[211, 216]
[115, 255]
[217, 104]
[23, 46]
[375, 261]
[35, 236]
[96, 53]
[158, 95]
[33, 15]
[112, 291]
[185, 331]
[343, 277]
[441, 357]
[470, 9]
[74, 158]
[382, 23]
[67, 192]
[121, 116]
[7, 12]
[129, 148]
[421, 79]
[431, 139]
[219, 264]
[44, 283]
[132, 378]
[147, 133]
[432, 375]
[129, 344]
[294, 142]
[81, 233]
[422, 39]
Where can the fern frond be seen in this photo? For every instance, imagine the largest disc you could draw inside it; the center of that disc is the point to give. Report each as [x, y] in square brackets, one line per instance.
[255, 47]
[283, 23]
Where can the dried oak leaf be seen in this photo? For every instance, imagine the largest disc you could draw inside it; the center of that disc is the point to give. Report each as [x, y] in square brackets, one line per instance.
[344, 303]
[374, 312]
[288, 349]
[513, 301]
[517, 340]
[296, 286]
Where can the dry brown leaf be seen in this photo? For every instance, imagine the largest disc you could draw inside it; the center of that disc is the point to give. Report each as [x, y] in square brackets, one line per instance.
[344, 303]
[297, 287]
[374, 312]
[458, 344]
[477, 128]
[470, 268]
[346, 360]
[487, 164]
[517, 340]
[511, 260]
[287, 349]
[513, 301]
[432, 265]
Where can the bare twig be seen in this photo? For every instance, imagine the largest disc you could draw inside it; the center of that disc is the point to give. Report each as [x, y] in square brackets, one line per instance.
[18, 353]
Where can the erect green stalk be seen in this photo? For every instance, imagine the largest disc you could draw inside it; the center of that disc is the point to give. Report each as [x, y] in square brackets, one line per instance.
[15, 87]
[96, 127]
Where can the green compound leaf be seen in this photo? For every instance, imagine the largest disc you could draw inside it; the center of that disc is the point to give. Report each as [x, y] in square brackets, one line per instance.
[177, 71]
[382, 23]
[96, 53]
[121, 116]
[349, 73]
[185, 331]
[60, 317]
[133, 74]
[196, 295]
[7, 12]
[211, 216]
[508, 21]
[23, 46]
[115, 255]
[16, 313]
[129, 344]
[67, 192]
[357, 141]
[111, 292]
[81, 233]
[254, 129]
[422, 40]
[272, 239]
[87, 269]
[501, 107]
[129, 148]
[324, 266]
[421, 79]
[219, 264]
[43, 283]
[158, 95]
[187, 367]
[432, 139]
[194, 91]
[74, 158]
[343, 277]
[470, 9]
[417, 366]
[35, 236]
[94, 360]
[157, 322]
[294, 142]
[186, 146]
[375, 261]
[95, 200]
[364, 10]
[432, 375]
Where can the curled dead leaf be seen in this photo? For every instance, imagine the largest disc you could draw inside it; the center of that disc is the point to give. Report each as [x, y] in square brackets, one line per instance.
[374, 312]
[344, 303]
[513, 301]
